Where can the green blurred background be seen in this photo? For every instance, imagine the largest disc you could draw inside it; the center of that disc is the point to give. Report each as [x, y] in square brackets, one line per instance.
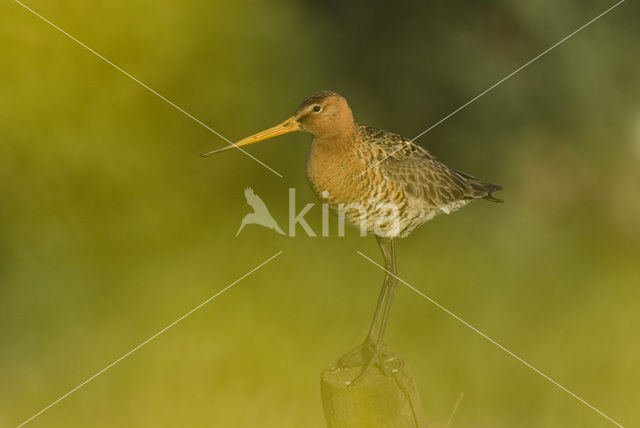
[111, 226]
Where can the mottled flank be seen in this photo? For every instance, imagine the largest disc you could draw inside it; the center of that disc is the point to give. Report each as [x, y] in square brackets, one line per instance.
[421, 174]
[380, 181]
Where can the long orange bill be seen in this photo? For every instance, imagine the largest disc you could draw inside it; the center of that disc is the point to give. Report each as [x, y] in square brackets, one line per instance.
[285, 127]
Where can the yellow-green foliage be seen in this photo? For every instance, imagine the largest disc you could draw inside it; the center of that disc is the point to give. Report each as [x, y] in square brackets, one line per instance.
[111, 226]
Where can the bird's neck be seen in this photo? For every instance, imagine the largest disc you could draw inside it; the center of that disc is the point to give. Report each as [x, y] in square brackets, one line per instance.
[340, 138]
[331, 155]
[332, 164]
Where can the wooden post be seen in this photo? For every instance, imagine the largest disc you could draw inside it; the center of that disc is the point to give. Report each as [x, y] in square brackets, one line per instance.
[377, 400]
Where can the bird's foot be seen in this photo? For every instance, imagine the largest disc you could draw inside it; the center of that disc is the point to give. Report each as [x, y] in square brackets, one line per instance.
[358, 355]
[368, 356]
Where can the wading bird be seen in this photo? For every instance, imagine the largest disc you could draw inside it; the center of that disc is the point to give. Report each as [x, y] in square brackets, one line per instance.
[381, 182]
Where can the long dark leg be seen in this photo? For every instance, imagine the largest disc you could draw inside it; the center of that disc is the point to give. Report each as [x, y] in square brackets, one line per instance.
[367, 350]
[384, 305]
[383, 292]
[392, 283]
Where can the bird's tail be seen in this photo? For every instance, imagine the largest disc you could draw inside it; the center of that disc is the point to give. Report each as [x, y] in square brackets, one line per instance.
[490, 188]
[482, 189]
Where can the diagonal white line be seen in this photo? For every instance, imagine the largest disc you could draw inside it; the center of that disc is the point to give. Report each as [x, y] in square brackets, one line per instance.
[492, 341]
[150, 339]
[455, 409]
[494, 85]
[189, 115]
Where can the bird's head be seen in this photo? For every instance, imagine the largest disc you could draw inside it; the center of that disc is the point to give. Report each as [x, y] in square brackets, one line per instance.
[324, 114]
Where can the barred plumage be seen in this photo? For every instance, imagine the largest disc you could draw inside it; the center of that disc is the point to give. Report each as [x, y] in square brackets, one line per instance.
[379, 181]
[371, 168]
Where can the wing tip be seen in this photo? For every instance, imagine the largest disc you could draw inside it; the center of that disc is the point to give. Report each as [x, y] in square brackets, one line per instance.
[490, 188]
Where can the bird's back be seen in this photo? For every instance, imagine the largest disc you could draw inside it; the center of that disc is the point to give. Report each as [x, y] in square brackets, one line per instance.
[424, 186]
[386, 184]
[419, 173]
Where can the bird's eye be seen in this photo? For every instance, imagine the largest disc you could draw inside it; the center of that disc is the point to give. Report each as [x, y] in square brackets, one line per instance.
[316, 109]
